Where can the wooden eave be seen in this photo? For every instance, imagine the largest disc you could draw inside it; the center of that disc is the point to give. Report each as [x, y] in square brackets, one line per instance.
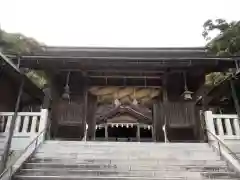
[17, 76]
[93, 58]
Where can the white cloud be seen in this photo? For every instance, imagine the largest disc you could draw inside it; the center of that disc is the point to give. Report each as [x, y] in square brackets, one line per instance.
[145, 23]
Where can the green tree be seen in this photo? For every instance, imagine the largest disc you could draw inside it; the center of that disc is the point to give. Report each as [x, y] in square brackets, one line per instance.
[227, 40]
[223, 39]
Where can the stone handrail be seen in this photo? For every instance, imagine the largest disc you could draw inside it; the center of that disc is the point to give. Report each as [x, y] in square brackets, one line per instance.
[224, 150]
[225, 126]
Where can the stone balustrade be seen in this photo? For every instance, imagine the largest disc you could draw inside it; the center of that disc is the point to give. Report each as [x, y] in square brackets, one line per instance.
[28, 126]
[225, 126]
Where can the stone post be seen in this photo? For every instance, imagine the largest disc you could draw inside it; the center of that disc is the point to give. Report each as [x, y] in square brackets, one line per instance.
[209, 124]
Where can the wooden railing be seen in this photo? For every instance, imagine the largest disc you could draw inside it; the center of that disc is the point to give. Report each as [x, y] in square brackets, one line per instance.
[225, 126]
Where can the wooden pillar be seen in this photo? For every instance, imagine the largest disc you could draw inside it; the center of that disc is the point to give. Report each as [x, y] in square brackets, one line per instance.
[91, 110]
[85, 105]
[165, 120]
[106, 132]
[47, 97]
[235, 98]
[156, 120]
[164, 88]
[138, 133]
[94, 133]
[47, 100]
[6, 151]
[52, 97]
[153, 134]
[203, 135]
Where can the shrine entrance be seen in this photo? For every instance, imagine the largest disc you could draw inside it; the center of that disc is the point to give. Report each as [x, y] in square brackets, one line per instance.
[124, 132]
[124, 113]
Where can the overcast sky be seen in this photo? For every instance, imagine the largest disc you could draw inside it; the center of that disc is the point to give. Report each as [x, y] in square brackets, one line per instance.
[131, 23]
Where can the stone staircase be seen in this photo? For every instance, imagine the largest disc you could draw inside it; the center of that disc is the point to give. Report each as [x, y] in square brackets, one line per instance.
[234, 145]
[64, 160]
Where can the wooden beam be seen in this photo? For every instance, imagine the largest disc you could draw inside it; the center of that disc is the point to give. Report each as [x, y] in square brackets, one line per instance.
[202, 91]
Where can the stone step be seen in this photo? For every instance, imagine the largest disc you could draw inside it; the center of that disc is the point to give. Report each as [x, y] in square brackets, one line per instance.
[134, 161]
[63, 160]
[23, 177]
[50, 172]
[124, 149]
[126, 169]
[89, 157]
[220, 175]
[123, 146]
[137, 165]
[159, 174]
[128, 156]
[169, 176]
[159, 153]
[114, 143]
[124, 152]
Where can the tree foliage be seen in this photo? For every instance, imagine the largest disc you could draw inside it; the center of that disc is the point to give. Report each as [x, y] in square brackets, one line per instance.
[16, 43]
[227, 41]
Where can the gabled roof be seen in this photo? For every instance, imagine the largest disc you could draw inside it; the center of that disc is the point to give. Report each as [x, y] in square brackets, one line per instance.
[124, 51]
[125, 109]
[91, 58]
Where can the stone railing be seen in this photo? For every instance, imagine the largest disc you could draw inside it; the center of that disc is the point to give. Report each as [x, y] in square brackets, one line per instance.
[28, 126]
[225, 126]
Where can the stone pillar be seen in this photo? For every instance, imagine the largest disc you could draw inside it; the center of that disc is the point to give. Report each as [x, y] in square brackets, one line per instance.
[209, 124]
[106, 132]
[138, 133]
